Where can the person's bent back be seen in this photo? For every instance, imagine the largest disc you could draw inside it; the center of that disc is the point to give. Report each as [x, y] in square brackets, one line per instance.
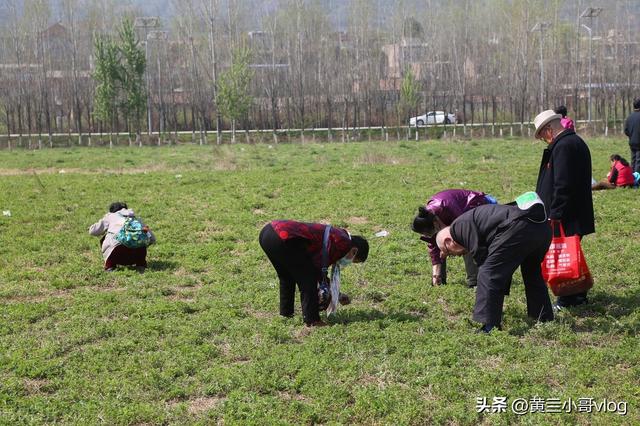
[501, 238]
[300, 253]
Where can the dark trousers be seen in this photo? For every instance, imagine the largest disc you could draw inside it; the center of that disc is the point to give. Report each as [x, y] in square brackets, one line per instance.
[126, 256]
[523, 244]
[470, 267]
[472, 270]
[294, 266]
[634, 161]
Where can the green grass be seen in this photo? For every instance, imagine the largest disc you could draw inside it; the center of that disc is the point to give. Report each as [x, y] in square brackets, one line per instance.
[197, 339]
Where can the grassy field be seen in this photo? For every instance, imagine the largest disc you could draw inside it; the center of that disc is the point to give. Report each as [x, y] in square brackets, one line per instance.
[197, 338]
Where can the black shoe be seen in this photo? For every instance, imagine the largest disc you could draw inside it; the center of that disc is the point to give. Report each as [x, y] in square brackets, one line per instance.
[573, 300]
[488, 328]
[140, 269]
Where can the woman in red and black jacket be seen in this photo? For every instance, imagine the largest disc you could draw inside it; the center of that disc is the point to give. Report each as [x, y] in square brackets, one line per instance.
[620, 175]
[295, 250]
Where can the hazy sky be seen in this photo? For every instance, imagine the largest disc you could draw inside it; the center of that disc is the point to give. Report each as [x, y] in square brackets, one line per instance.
[338, 10]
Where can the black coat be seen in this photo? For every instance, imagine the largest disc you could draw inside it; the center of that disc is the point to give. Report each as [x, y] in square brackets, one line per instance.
[632, 128]
[477, 229]
[564, 183]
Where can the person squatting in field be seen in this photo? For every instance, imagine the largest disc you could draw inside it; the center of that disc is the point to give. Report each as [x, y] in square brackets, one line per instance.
[295, 251]
[440, 211]
[620, 175]
[114, 251]
[501, 238]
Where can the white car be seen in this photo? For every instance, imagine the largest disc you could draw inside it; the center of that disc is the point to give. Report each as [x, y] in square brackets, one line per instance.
[432, 117]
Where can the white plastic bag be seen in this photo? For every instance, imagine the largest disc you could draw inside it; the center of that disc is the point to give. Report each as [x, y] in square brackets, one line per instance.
[334, 286]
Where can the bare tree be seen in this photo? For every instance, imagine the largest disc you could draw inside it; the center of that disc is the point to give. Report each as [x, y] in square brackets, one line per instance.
[211, 7]
[70, 7]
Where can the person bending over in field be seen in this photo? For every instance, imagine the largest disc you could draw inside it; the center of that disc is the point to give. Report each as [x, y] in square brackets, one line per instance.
[440, 211]
[124, 238]
[500, 238]
[301, 254]
[620, 175]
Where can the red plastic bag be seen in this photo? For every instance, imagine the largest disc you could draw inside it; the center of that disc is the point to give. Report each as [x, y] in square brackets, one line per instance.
[564, 267]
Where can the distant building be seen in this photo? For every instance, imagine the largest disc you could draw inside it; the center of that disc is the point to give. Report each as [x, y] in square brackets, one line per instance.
[415, 55]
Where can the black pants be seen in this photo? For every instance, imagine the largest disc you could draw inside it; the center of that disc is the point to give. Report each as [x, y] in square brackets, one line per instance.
[634, 161]
[293, 265]
[472, 270]
[523, 244]
[470, 267]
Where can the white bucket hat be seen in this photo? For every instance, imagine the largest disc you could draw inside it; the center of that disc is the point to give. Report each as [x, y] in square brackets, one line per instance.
[544, 118]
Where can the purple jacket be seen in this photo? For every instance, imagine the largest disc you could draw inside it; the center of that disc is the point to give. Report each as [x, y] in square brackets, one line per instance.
[447, 206]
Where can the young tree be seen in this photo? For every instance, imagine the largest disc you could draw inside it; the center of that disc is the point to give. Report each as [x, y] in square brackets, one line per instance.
[234, 98]
[107, 78]
[131, 76]
[409, 97]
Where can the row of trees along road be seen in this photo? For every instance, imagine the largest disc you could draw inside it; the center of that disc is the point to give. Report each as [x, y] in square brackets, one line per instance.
[86, 66]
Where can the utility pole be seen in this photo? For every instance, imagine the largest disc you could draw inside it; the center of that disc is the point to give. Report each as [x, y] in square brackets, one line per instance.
[542, 27]
[590, 12]
[589, 87]
[159, 36]
[146, 23]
